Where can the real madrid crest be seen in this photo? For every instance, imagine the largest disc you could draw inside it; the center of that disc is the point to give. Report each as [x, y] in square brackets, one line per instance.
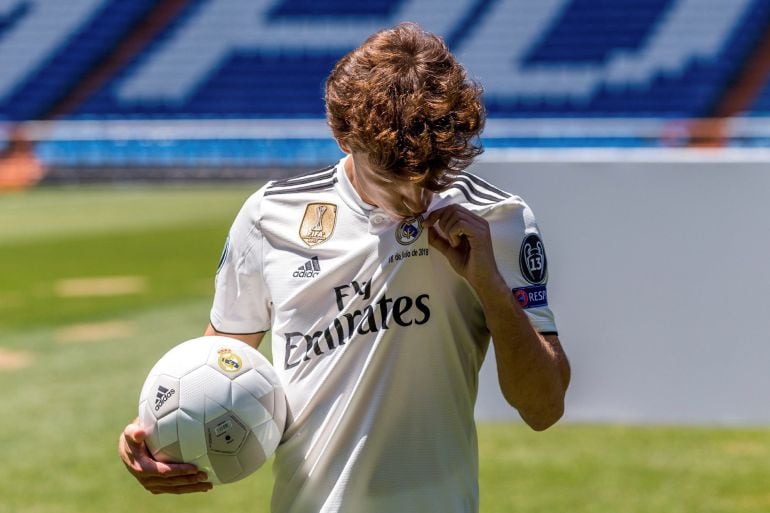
[229, 361]
[532, 262]
[318, 223]
[409, 231]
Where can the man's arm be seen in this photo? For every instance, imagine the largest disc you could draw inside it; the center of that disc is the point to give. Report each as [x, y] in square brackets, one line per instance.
[532, 368]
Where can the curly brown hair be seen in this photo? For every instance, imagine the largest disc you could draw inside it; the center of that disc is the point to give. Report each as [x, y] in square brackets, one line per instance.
[403, 100]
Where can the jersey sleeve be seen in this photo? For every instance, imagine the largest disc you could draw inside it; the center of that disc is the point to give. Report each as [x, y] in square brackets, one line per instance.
[241, 298]
[521, 258]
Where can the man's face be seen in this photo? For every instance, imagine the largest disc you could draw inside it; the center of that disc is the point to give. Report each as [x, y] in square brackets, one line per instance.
[399, 198]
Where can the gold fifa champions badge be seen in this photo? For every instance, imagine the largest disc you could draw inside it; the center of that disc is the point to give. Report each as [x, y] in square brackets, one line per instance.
[229, 361]
[318, 223]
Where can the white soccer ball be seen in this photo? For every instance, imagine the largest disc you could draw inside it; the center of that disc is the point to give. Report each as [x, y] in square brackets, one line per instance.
[215, 402]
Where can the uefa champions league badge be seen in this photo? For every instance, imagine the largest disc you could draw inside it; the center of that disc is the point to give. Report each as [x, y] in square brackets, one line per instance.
[532, 262]
[229, 361]
[409, 231]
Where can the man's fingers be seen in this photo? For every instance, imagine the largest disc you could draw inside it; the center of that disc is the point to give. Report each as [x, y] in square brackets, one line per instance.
[437, 221]
[454, 222]
[141, 463]
[457, 227]
[438, 242]
[437, 217]
[156, 476]
[160, 482]
[131, 447]
[135, 433]
[190, 488]
[152, 468]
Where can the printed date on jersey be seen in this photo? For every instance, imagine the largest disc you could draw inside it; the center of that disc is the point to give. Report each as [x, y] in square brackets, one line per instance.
[407, 253]
[385, 313]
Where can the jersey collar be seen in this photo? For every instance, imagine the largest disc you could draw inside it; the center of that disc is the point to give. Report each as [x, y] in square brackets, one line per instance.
[377, 220]
[349, 194]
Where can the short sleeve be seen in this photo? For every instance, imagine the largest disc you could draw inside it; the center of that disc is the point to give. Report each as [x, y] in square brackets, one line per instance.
[521, 258]
[241, 299]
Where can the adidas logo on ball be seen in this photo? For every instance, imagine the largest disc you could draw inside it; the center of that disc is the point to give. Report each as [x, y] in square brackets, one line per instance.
[163, 395]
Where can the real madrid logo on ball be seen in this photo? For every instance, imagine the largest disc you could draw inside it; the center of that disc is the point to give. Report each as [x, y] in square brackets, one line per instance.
[229, 361]
[409, 231]
[532, 262]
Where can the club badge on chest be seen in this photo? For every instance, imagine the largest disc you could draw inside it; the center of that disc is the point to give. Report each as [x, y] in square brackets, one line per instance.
[409, 231]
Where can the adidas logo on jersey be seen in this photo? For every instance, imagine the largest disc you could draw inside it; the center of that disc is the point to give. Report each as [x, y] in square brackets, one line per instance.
[311, 269]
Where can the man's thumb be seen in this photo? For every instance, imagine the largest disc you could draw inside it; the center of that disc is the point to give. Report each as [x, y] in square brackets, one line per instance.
[135, 433]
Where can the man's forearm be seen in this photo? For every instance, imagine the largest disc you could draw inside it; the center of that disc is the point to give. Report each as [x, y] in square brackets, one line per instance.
[533, 374]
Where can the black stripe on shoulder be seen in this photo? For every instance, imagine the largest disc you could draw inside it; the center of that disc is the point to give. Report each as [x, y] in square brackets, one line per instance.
[319, 186]
[471, 199]
[476, 191]
[312, 176]
[486, 185]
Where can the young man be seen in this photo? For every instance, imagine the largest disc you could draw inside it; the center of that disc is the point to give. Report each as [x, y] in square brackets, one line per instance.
[382, 279]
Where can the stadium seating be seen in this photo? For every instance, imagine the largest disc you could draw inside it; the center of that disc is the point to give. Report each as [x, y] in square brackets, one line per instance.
[112, 59]
[253, 77]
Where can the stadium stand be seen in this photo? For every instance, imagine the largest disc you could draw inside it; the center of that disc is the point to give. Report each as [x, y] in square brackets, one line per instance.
[558, 61]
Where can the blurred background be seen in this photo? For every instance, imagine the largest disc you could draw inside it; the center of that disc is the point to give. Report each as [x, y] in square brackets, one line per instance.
[638, 131]
[223, 88]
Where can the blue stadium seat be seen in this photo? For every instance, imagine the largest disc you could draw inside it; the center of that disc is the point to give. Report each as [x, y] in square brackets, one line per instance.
[259, 79]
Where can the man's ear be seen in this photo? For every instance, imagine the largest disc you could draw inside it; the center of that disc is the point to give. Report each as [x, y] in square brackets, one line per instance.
[343, 146]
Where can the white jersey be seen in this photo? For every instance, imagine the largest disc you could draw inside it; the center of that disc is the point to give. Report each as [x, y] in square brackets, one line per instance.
[376, 339]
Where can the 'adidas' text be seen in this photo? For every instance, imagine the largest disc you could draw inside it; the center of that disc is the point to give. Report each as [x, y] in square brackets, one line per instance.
[310, 269]
[163, 395]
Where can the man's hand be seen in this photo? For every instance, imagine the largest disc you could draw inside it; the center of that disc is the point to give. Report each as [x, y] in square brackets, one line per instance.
[464, 239]
[155, 476]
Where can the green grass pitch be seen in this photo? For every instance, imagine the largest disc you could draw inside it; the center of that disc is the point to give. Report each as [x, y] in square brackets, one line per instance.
[97, 283]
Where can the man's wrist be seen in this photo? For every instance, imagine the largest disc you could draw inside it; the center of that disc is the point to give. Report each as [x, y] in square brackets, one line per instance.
[493, 291]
